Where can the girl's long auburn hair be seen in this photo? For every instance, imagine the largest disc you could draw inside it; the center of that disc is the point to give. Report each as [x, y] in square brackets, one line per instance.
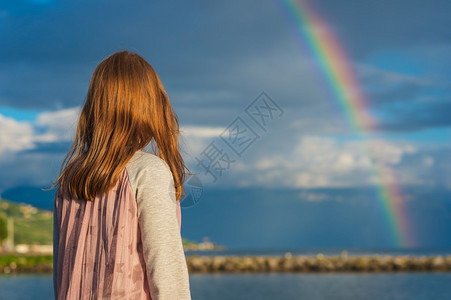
[126, 108]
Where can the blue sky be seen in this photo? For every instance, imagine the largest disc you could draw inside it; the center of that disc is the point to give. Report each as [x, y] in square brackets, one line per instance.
[215, 58]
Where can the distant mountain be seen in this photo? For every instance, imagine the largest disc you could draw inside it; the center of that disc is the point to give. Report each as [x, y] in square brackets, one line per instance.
[30, 195]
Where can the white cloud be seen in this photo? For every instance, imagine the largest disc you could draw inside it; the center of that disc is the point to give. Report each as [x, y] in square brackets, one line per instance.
[200, 131]
[388, 78]
[14, 135]
[296, 161]
[52, 126]
[428, 161]
[58, 125]
[388, 152]
[266, 164]
[319, 162]
[194, 139]
[313, 196]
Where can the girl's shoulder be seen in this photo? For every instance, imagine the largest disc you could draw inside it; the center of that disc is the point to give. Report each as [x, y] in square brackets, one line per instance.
[143, 160]
[146, 168]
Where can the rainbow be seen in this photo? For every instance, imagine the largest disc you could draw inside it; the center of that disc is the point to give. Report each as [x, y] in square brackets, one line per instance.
[336, 71]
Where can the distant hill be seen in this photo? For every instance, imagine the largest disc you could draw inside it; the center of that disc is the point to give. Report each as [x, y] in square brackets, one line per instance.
[34, 225]
[31, 225]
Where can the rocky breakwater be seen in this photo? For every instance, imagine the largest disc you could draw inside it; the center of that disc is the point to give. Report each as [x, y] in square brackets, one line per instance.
[320, 263]
[10, 264]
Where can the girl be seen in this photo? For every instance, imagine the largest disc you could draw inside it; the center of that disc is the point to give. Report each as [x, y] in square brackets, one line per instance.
[117, 207]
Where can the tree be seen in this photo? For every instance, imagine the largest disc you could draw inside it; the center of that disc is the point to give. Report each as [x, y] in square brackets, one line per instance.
[3, 230]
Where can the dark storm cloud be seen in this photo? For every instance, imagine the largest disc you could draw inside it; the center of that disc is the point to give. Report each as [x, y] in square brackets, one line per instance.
[43, 85]
[405, 93]
[365, 26]
[84, 30]
[54, 48]
[87, 30]
[209, 54]
[417, 115]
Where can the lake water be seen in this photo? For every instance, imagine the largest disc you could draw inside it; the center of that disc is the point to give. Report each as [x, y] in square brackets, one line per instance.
[393, 286]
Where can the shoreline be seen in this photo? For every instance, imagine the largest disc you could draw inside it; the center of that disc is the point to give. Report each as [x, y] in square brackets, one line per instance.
[43, 264]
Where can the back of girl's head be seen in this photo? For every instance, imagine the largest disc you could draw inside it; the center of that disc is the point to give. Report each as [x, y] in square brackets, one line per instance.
[126, 108]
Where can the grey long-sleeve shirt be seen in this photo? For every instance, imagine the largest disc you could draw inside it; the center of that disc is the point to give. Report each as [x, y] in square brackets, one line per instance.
[152, 180]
